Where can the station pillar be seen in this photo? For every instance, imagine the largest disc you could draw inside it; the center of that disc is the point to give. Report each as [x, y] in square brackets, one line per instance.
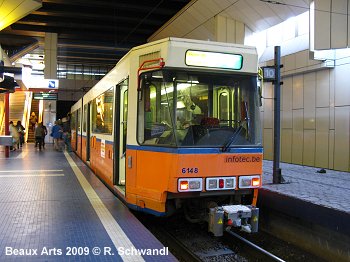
[50, 72]
[50, 51]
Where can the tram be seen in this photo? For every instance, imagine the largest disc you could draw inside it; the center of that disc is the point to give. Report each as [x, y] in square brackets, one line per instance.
[175, 125]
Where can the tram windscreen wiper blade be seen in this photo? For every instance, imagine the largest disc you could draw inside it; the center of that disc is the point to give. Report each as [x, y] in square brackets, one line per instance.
[232, 138]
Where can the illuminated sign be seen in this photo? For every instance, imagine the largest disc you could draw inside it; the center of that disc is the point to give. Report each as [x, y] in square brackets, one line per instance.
[269, 73]
[44, 83]
[45, 96]
[214, 59]
[52, 83]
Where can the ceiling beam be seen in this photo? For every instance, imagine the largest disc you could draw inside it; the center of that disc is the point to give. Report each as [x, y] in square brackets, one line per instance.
[69, 33]
[43, 16]
[131, 5]
[80, 28]
[24, 51]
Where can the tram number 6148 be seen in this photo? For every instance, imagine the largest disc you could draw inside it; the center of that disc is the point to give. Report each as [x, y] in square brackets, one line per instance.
[189, 170]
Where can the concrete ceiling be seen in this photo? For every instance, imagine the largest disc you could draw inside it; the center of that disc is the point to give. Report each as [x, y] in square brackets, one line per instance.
[95, 32]
[100, 32]
[196, 19]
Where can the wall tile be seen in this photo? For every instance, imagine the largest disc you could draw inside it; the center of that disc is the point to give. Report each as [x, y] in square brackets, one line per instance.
[341, 138]
[268, 142]
[309, 147]
[297, 138]
[309, 100]
[322, 90]
[322, 137]
[287, 94]
[342, 86]
[298, 92]
[286, 145]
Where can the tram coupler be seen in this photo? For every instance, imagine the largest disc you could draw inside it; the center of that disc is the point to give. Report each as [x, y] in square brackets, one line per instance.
[244, 217]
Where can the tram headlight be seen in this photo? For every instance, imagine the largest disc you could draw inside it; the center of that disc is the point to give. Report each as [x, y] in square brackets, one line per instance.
[249, 182]
[256, 181]
[230, 183]
[190, 184]
[184, 185]
[212, 183]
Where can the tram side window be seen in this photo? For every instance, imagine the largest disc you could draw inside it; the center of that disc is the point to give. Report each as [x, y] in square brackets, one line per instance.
[102, 113]
[73, 120]
[155, 116]
[85, 117]
[78, 121]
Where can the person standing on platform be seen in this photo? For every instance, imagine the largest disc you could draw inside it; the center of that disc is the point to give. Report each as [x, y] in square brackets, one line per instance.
[44, 134]
[15, 136]
[21, 133]
[67, 132]
[33, 120]
[56, 134]
[39, 134]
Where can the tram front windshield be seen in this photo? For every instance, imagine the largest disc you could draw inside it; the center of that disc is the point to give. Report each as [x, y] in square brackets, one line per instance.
[182, 109]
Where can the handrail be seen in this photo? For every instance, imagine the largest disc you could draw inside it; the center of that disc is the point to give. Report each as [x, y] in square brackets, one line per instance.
[141, 68]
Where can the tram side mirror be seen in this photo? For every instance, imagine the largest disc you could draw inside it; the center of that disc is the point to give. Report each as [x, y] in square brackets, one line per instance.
[260, 95]
[143, 86]
[260, 83]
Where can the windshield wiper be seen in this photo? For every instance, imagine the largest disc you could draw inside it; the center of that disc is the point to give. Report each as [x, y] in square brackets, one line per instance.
[232, 138]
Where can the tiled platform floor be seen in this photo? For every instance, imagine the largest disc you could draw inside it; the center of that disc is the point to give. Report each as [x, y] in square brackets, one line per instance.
[45, 213]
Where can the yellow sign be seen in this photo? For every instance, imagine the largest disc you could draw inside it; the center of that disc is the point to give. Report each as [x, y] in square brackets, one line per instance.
[220, 221]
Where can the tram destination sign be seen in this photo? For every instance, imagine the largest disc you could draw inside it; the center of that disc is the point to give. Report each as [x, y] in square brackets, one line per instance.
[214, 59]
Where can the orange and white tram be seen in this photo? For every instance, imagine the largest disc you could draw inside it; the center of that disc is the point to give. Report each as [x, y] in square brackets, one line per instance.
[175, 126]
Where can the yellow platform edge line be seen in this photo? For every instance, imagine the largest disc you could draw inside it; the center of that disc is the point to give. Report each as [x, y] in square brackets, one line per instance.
[115, 232]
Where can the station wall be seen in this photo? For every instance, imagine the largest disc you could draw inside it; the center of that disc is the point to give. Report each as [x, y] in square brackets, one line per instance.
[315, 115]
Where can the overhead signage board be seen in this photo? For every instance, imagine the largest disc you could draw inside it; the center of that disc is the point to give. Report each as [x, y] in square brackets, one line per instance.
[45, 96]
[214, 59]
[45, 83]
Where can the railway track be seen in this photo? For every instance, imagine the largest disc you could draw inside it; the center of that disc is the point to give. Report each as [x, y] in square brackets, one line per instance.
[198, 248]
[258, 252]
[191, 242]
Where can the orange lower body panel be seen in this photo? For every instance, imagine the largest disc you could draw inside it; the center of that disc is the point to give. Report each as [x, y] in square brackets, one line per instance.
[153, 174]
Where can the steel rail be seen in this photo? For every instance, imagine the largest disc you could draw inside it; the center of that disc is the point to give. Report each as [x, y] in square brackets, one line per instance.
[272, 256]
[179, 248]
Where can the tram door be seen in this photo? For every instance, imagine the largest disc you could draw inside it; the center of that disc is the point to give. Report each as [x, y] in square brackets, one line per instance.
[121, 113]
[77, 129]
[88, 128]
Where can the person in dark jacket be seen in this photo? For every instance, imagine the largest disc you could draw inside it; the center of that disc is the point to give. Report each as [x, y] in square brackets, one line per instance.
[21, 133]
[39, 134]
[56, 134]
[67, 132]
[45, 133]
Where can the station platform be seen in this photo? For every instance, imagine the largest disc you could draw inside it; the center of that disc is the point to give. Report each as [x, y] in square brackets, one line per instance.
[53, 208]
[309, 194]
[330, 189]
